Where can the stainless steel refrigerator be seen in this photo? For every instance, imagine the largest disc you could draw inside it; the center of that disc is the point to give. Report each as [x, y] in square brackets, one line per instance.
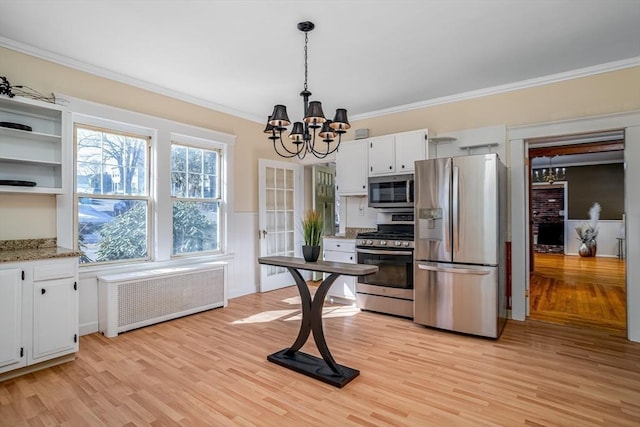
[460, 250]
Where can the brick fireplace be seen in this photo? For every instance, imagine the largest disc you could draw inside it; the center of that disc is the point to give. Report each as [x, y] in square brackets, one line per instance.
[547, 206]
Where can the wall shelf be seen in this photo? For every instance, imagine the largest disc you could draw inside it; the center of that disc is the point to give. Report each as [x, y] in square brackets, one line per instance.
[35, 155]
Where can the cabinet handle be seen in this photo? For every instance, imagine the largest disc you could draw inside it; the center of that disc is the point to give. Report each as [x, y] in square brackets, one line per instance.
[390, 167]
[363, 186]
[402, 166]
[43, 291]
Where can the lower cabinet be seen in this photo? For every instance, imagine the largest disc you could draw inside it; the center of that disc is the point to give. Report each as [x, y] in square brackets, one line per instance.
[11, 353]
[341, 250]
[38, 311]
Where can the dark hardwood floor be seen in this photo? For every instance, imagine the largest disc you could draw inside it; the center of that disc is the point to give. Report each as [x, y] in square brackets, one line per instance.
[210, 369]
[573, 290]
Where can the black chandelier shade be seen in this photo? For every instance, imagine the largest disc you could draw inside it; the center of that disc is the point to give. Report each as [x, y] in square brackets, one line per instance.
[303, 134]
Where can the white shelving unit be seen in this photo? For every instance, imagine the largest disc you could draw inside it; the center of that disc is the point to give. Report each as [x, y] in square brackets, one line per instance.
[35, 155]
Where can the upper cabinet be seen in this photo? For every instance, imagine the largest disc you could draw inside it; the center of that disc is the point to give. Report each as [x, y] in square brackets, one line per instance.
[396, 154]
[351, 168]
[31, 146]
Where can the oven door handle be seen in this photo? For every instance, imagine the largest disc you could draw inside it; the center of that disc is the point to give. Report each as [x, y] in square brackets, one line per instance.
[453, 270]
[383, 252]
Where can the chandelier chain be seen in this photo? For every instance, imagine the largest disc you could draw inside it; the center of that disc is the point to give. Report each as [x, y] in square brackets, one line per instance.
[306, 40]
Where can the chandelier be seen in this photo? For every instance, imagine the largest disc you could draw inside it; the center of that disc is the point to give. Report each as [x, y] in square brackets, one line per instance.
[549, 175]
[303, 135]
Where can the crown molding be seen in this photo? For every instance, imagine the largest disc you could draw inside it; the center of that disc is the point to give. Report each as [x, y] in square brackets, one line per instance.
[121, 78]
[524, 84]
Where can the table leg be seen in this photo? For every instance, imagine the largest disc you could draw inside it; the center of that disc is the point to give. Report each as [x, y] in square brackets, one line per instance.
[306, 302]
[325, 369]
[316, 322]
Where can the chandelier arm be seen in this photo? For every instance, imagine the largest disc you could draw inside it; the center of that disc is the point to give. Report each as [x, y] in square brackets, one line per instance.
[282, 144]
[275, 148]
[291, 153]
[322, 155]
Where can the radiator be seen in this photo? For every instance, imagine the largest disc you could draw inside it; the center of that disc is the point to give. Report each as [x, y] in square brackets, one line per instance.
[132, 300]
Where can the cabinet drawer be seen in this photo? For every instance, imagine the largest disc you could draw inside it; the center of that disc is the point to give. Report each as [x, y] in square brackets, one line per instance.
[349, 258]
[342, 245]
[55, 269]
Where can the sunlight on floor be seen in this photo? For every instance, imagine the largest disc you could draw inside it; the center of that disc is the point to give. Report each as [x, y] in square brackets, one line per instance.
[265, 316]
[341, 311]
[268, 316]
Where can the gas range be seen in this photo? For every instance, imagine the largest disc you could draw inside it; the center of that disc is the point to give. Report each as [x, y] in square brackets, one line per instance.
[395, 230]
[377, 239]
[390, 248]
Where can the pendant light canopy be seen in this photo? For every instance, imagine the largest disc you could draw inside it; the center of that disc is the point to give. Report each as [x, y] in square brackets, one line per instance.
[303, 134]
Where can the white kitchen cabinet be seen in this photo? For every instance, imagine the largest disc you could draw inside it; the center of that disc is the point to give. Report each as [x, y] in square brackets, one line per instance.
[55, 309]
[381, 155]
[36, 155]
[351, 168]
[38, 312]
[341, 250]
[11, 351]
[396, 154]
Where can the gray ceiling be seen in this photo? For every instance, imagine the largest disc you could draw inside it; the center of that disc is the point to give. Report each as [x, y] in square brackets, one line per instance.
[245, 56]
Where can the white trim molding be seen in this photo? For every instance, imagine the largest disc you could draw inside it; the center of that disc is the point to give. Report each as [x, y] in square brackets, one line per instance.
[630, 122]
[510, 87]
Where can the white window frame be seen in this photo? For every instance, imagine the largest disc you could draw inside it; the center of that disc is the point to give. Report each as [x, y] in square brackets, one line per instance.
[147, 197]
[204, 144]
[162, 132]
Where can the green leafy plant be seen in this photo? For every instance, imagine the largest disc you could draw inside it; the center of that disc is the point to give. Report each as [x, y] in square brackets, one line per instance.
[312, 226]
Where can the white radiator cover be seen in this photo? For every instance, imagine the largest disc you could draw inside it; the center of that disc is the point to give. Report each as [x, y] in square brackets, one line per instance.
[132, 300]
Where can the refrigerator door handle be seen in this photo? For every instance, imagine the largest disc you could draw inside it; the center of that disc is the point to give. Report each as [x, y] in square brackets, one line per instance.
[453, 270]
[455, 202]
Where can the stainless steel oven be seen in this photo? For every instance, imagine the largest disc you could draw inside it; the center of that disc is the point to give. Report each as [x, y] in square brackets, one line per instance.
[395, 266]
[390, 248]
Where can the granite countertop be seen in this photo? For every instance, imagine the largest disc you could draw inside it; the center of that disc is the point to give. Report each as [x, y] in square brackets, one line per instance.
[350, 233]
[33, 249]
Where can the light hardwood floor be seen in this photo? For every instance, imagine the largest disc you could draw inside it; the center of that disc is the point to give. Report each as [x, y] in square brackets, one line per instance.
[579, 291]
[211, 369]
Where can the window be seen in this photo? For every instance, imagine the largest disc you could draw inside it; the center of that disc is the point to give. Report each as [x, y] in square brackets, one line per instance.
[112, 194]
[196, 198]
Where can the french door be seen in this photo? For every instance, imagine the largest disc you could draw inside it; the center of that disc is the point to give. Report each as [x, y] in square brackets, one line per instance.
[279, 216]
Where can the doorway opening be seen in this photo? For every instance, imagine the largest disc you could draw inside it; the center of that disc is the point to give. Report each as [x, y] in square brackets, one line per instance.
[564, 286]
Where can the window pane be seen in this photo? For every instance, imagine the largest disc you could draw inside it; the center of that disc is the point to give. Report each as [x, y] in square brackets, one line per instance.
[178, 158]
[194, 172]
[210, 187]
[195, 185]
[195, 160]
[111, 163]
[179, 184]
[195, 227]
[112, 229]
[211, 162]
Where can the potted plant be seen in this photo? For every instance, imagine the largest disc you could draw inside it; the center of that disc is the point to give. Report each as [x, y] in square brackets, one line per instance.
[312, 226]
[587, 233]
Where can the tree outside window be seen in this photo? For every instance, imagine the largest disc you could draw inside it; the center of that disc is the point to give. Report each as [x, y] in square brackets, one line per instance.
[112, 171]
[195, 190]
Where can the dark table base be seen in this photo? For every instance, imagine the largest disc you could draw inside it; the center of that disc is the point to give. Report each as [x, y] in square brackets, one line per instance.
[314, 367]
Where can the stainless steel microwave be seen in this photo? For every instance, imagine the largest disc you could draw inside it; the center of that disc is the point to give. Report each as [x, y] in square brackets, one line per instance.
[393, 191]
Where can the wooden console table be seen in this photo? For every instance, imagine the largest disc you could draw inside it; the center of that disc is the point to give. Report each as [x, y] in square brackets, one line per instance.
[325, 369]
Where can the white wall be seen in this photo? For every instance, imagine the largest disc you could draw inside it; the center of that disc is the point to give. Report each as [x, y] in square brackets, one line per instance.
[608, 231]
